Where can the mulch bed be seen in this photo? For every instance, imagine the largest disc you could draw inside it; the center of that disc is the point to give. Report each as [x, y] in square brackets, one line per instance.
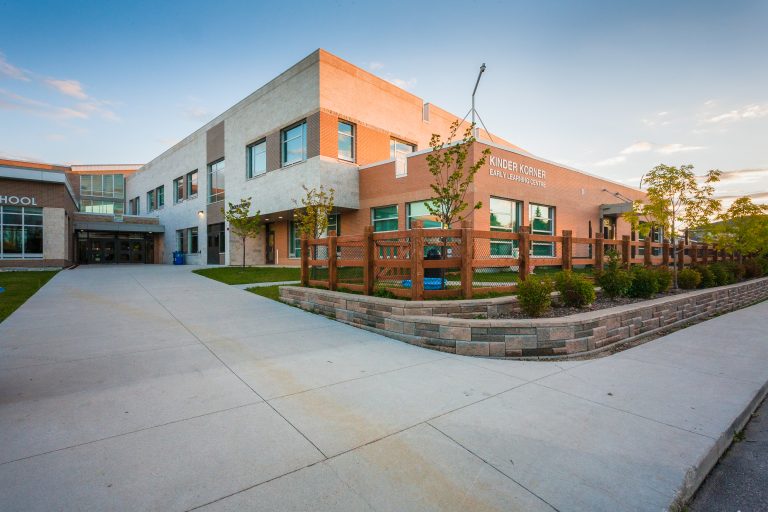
[601, 302]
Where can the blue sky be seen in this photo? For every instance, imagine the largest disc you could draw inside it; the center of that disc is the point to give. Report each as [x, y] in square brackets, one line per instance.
[612, 88]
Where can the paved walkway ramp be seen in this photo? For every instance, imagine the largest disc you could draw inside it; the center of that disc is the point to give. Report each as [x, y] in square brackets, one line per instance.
[152, 388]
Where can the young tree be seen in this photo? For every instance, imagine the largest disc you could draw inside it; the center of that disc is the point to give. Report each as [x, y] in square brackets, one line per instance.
[446, 164]
[675, 197]
[312, 211]
[743, 228]
[241, 222]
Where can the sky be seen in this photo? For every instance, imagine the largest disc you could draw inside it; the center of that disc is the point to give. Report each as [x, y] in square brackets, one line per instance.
[612, 88]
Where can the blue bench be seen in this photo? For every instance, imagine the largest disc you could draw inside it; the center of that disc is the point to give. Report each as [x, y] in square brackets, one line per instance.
[430, 283]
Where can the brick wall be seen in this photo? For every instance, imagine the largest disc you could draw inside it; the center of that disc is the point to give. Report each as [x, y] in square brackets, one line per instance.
[439, 324]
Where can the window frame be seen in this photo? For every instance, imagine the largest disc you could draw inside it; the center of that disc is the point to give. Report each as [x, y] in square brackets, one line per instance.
[551, 212]
[352, 137]
[249, 159]
[393, 152]
[374, 220]
[26, 215]
[284, 141]
[210, 181]
[512, 245]
[178, 186]
[188, 184]
[409, 216]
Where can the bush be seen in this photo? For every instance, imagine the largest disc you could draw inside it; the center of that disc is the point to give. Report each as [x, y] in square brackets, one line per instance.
[575, 290]
[688, 279]
[734, 270]
[534, 295]
[614, 280]
[663, 278]
[707, 277]
[644, 283]
[719, 273]
[753, 268]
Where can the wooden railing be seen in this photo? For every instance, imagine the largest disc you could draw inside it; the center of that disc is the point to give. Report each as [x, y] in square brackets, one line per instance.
[466, 262]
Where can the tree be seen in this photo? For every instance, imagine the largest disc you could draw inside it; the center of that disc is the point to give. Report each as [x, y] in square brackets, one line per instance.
[241, 222]
[743, 228]
[446, 164]
[312, 211]
[675, 196]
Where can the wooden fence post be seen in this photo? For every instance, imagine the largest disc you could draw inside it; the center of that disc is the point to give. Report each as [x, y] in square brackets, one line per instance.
[304, 260]
[647, 251]
[467, 254]
[368, 260]
[599, 251]
[681, 254]
[523, 251]
[665, 253]
[694, 250]
[567, 249]
[705, 254]
[625, 251]
[417, 264]
[332, 270]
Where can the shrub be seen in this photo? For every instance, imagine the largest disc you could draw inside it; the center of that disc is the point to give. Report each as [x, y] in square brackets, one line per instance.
[614, 280]
[663, 278]
[534, 295]
[688, 279]
[753, 268]
[719, 274]
[575, 290]
[644, 283]
[707, 277]
[734, 270]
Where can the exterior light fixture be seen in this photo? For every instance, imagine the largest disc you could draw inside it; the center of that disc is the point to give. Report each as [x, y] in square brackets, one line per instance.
[201, 214]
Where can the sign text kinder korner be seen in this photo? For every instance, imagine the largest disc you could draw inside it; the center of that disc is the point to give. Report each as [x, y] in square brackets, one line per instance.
[509, 170]
[21, 200]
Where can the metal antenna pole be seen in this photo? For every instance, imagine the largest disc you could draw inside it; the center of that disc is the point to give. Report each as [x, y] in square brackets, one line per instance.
[482, 69]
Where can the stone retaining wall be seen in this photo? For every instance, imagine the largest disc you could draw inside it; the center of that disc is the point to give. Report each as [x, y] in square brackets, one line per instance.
[428, 324]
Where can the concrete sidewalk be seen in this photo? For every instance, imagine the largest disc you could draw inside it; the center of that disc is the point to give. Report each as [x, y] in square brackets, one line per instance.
[152, 388]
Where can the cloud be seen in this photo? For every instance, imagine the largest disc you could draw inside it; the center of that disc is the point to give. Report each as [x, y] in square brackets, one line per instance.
[374, 65]
[71, 88]
[611, 161]
[12, 101]
[55, 137]
[753, 111]
[668, 149]
[197, 113]
[758, 175]
[11, 71]
[637, 147]
[403, 84]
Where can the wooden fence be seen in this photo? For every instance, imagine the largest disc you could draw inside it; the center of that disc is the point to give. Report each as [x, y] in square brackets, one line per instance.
[448, 263]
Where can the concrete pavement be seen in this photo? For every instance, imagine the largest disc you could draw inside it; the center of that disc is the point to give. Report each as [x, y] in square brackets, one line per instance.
[152, 388]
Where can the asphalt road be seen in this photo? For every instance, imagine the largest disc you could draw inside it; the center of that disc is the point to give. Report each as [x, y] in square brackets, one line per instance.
[739, 482]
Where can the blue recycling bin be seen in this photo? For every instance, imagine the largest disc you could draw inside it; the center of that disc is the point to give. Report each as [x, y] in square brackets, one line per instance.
[178, 258]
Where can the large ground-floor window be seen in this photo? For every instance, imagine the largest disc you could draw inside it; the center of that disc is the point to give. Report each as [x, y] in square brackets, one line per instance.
[294, 235]
[542, 223]
[21, 232]
[505, 217]
[418, 211]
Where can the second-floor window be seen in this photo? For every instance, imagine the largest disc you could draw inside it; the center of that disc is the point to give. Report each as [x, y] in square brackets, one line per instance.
[293, 144]
[256, 159]
[398, 148]
[346, 141]
[216, 181]
[192, 184]
[178, 189]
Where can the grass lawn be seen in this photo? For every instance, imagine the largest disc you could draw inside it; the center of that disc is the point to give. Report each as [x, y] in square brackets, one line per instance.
[270, 292]
[19, 286]
[245, 275]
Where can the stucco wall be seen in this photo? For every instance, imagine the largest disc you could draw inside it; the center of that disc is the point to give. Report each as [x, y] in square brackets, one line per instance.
[55, 234]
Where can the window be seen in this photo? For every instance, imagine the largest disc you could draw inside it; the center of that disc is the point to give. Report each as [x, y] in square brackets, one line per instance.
[104, 206]
[192, 240]
[216, 181]
[294, 241]
[256, 159]
[418, 211]
[399, 148]
[102, 185]
[334, 224]
[180, 239]
[150, 201]
[346, 141]
[21, 232]
[542, 223]
[192, 184]
[160, 196]
[133, 206]
[655, 234]
[293, 143]
[384, 218]
[505, 217]
[178, 189]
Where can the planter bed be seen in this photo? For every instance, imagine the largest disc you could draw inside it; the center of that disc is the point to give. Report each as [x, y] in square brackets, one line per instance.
[473, 327]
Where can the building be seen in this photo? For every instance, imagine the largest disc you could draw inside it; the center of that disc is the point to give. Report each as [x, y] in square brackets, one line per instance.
[56, 215]
[327, 122]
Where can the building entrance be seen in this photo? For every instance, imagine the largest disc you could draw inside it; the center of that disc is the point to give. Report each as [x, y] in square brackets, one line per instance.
[95, 247]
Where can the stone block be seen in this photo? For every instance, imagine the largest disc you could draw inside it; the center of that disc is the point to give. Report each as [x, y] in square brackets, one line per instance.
[455, 333]
[555, 333]
[393, 325]
[519, 341]
[600, 332]
[497, 349]
[472, 348]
